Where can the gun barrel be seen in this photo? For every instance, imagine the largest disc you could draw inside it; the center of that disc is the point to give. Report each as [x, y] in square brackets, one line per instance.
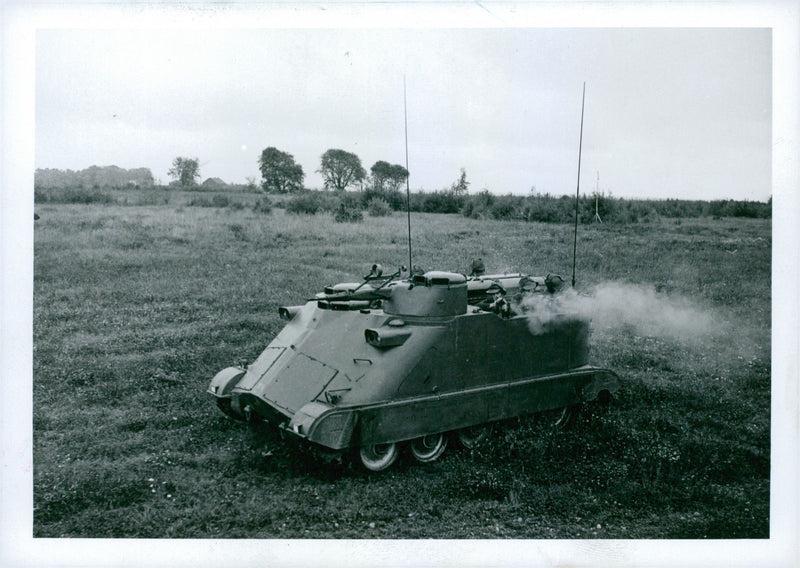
[357, 295]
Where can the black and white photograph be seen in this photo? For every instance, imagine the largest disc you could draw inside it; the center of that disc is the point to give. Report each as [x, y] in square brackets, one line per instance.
[424, 284]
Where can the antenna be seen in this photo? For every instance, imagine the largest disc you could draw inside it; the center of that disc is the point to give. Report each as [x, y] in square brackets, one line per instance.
[578, 190]
[408, 185]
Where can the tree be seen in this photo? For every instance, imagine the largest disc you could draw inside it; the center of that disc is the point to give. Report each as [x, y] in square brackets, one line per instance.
[387, 177]
[341, 169]
[279, 172]
[385, 182]
[461, 187]
[185, 171]
[250, 183]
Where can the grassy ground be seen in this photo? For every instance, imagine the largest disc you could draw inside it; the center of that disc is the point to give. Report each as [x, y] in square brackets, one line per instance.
[136, 308]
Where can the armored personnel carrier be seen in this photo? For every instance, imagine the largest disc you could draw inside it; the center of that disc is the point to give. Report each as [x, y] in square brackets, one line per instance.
[369, 368]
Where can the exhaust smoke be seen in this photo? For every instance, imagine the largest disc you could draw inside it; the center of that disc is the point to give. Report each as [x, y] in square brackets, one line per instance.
[617, 305]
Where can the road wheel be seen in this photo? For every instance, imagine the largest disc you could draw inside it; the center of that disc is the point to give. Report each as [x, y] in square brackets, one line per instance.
[428, 448]
[569, 414]
[378, 457]
[224, 404]
[474, 435]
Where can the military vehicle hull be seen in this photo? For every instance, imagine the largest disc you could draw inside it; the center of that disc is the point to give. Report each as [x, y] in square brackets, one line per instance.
[411, 361]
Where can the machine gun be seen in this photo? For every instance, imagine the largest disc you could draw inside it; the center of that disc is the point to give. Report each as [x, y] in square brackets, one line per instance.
[358, 296]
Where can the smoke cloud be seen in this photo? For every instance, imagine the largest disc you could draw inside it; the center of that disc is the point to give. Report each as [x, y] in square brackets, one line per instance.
[616, 305]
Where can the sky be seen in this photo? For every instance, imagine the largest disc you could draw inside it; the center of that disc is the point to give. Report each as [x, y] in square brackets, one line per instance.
[669, 112]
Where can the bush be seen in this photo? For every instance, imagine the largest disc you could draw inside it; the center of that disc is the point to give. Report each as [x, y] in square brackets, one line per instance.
[507, 207]
[393, 197]
[634, 212]
[215, 201]
[547, 209]
[378, 207]
[72, 195]
[263, 205]
[349, 210]
[152, 197]
[445, 201]
[478, 206]
[238, 231]
[304, 204]
[220, 201]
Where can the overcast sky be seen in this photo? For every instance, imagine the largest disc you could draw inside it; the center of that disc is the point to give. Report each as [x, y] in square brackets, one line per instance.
[669, 112]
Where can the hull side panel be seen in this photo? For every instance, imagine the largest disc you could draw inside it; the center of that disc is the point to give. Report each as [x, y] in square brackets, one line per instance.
[394, 422]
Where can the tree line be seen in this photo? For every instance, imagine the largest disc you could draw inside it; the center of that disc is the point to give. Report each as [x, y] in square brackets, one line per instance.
[380, 191]
[339, 169]
[342, 170]
[280, 173]
[94, 177]
[593, 208]
[543, 208]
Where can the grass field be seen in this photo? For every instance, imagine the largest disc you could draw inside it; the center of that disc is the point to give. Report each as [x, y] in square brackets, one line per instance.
[136, 307]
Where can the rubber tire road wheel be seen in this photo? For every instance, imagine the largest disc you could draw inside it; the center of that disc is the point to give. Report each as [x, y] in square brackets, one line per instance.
[472, 436]
[224, 404]
[428, 448]
[568, 416]
[378, 457]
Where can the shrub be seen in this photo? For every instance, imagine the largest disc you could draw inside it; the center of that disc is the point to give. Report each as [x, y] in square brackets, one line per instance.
[220, 201]
[72, 195]
[507, 207]
[479, 205]
[349, 210]
[444, 201]
[153, 197]
[263, 205]
[238, 231]
[328, 201]
[547, 209]
[216, 201]
[393, 197]
[200, 202]
[378, 207]
[304, 204]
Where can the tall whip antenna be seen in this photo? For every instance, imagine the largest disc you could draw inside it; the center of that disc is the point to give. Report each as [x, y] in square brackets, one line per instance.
[578, 190]
[408, 174]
